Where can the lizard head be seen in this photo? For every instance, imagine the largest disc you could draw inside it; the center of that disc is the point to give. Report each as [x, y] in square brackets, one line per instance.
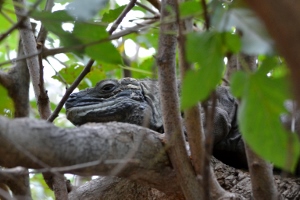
[124, 100]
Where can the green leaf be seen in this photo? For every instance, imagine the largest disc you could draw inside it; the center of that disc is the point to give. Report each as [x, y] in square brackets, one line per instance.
[69, 74]
[259, 119]
[206, 49]
[144, 69]
[189, 8]
[6, 105]
[100, 50]
[268, 64]
[40, 189]
[237, 83]
[232, 42]
[113, 14]
[57, 16]
[104, 52]
[6, 7]
[53, 22]
[89, 32]
[96, 74]
[10, 42]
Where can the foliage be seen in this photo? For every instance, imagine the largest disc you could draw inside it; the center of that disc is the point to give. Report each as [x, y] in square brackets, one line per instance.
[6, 105]
[207, 49]
[262, 105]
[9, 44]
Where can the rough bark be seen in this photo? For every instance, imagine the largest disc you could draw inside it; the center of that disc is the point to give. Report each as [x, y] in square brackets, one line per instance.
[111, 188]
[194, 127]
[34, 66]
[170, 105]
[35, 143]
[17, 180]
[16, 81]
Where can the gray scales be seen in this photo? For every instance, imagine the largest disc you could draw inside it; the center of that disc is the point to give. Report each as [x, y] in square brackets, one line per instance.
[129, 100]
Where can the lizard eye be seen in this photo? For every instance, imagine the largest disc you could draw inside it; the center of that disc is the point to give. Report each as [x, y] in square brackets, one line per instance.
[109, 87]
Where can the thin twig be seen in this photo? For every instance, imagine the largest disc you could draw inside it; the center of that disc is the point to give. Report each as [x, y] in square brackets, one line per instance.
[166, 61]
[87, 69]
[146, 8]
[84, 72]
[121, 16]
[20, 22]
[192, 116]
[43, 32]
[20, 58]
[210, 115]
[6, 17]
[205, 13]
[56, 72]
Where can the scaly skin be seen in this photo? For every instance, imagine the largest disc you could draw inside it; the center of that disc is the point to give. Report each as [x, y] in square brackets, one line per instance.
[137, 102]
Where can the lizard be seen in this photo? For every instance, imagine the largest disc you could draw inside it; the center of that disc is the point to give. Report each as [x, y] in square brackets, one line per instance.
[136, 101]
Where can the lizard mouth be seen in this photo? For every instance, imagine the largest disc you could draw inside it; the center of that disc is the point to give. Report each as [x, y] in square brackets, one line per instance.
[116, 108]
[84, 101]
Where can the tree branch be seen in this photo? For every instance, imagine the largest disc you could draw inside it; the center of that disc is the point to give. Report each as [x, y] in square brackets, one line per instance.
[108, 144]
[43, 32]
[61, 103]
[121, 16]
[18, 181]
[20, 22]
[37, 144]
[105, 188]
[87, 69]
[29, 47]
[135, 29]
[5, 80]
[170, 106]
[192, 116]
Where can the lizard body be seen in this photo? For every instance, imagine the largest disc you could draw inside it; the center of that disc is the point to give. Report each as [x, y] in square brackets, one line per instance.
[137, 102]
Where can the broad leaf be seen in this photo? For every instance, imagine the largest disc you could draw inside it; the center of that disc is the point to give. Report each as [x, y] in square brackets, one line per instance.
[190, 8]
[99, 49]
[53, 23]
[144, 69]
[232, 42]
[57, 16]
[259, 117]
[205, 49]
[112, 15]
[268, 64]
[69, 74]
[6, 105]
[237, 83]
